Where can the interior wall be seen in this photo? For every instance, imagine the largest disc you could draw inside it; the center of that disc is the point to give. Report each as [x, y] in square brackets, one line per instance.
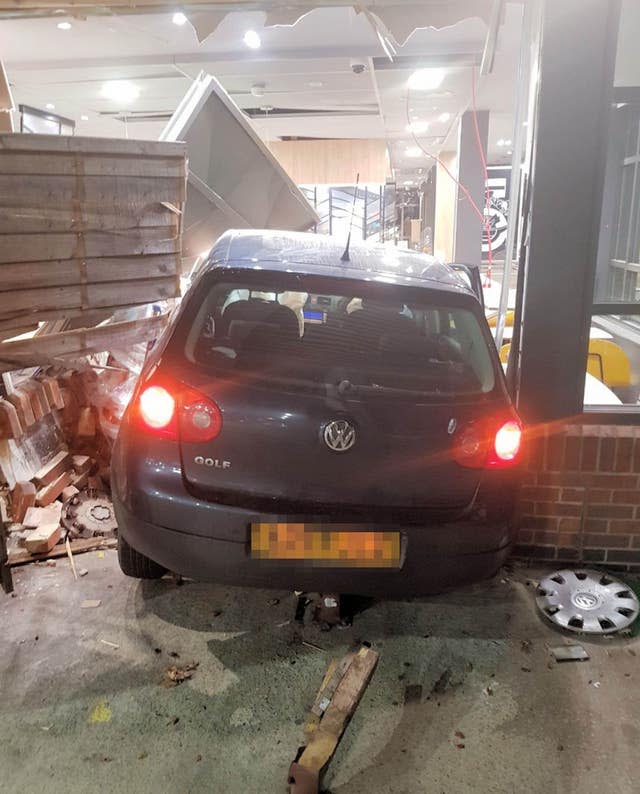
[334, 161]
[445, 216]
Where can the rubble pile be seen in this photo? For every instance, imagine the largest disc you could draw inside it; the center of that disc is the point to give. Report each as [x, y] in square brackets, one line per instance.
[56, 434]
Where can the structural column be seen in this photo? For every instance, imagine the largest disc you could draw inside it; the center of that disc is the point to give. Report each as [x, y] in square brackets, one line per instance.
[469, 226]
[574, 99]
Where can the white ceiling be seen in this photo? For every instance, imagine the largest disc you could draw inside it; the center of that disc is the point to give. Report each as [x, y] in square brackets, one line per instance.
[305, 67]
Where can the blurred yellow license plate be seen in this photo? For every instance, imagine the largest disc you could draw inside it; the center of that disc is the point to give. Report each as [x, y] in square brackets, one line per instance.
[327, 546]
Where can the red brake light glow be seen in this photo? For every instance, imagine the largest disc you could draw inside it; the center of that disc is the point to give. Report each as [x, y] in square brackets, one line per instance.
[492, 444]
[170, 409]
[507, 442]
[157, 407]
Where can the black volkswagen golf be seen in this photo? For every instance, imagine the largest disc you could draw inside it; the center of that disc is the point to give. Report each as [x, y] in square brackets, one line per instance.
[316, 421]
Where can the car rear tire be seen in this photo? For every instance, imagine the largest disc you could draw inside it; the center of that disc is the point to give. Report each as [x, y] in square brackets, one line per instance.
[134, 564]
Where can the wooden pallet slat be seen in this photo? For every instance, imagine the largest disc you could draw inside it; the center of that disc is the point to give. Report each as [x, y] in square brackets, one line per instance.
[23, 275]
[89, 296]
[87, 224]
[132, 242]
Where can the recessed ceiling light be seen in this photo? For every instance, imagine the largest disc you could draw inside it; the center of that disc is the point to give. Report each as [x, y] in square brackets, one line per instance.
[179, 18]
[252, 40]
[64, 25]
[418, 127]
[50, 106]
[84, 118]
[315, 84]
[501, 142]
[120, 91]
[510, 151]
[444, 117]
[413, 151]
[508, 142]
[426, 79]
[257, 89]
[408, 182]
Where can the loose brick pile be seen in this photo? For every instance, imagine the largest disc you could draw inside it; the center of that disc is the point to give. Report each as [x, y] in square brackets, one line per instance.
[580, 502]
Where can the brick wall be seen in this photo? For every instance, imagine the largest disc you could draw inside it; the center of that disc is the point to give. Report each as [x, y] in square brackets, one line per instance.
[580, 502]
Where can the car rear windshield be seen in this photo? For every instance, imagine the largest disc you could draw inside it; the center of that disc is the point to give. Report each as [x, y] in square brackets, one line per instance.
[363, 339]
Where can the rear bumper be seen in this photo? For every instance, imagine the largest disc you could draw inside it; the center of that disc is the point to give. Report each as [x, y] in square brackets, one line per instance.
[435, 558]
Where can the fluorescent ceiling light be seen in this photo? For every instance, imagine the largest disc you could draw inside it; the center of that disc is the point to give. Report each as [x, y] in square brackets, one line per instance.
[64, 25]
[508, 142]
[179, 18]
[501, 142]
[444, 117]
[426, 79]
[252, 40]
[418, 127]
[413, 151]
[50, 106]
[408, 182]
[120, 91]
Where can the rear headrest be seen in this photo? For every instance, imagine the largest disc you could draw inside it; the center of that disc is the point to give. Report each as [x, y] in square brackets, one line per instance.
[246, 322]
[372, 305]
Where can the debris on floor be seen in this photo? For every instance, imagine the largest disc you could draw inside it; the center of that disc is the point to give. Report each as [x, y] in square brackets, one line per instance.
[342, 688]
[569, 653]
[587, 601]
[175, 675]
[55, 465]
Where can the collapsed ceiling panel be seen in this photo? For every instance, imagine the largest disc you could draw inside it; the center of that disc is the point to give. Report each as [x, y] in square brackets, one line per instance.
[234, 180]
[399, 18]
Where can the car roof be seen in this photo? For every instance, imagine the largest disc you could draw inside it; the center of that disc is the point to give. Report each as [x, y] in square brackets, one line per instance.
[320, 254]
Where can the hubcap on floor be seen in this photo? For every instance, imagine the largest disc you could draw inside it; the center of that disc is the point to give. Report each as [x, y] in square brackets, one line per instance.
[587, 601]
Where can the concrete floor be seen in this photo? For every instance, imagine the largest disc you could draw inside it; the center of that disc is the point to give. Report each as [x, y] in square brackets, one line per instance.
[79, 715]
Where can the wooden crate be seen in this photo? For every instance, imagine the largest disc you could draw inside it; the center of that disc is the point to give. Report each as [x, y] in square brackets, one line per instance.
[86, 224]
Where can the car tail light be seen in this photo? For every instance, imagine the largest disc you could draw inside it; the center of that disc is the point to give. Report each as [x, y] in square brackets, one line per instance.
[506, 445]
[493, 444]
[157, 407]
[168, 408]
[199, 419]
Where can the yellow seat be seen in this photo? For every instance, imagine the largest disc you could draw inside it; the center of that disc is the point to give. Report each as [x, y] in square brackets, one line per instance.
[608, 363]
[508, 320]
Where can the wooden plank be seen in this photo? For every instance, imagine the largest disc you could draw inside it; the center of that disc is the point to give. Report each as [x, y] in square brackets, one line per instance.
[39, 516]
[45, 218]
[23, 497]
[51, 492]
[10, 426]
[70, 344]
[52, 470]
[97, 296]
[83, 164]
[63, 143]
[42, 539]
[326, 736]
[77, 547]
[21, 402]
[52, 390]
[19, 276]
[74, 245]
[81, 464]
[107, 191]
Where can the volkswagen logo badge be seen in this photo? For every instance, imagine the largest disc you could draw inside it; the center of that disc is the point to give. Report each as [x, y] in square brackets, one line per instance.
[339, 435]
